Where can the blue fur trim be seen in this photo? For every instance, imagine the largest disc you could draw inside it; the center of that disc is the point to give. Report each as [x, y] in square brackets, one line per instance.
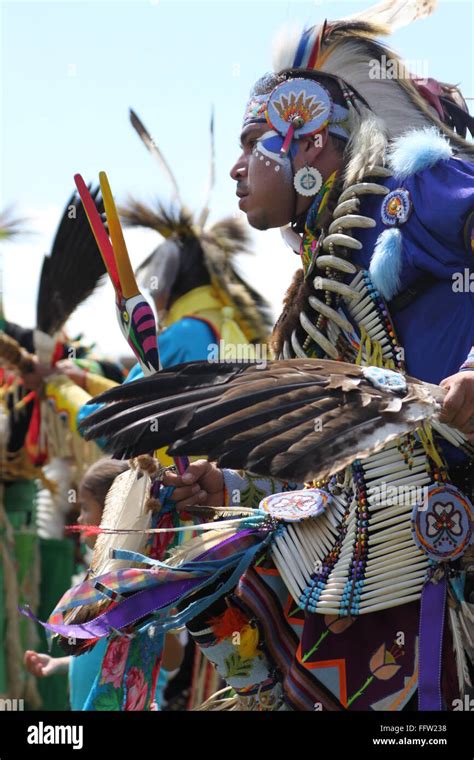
[386, 263]
[417, 150]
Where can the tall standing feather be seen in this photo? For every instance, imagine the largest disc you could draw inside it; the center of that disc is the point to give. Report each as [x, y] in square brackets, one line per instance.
[203, 216]
[150, 144]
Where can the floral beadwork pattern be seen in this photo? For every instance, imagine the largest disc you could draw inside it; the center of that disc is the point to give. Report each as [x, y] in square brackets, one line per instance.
[442, 525]
[446, 519]
[231, 640]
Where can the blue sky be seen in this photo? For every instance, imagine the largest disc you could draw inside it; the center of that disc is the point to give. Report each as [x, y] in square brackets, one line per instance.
[70, 70]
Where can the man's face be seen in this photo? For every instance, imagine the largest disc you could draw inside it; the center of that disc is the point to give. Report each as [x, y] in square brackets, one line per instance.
[264, 184]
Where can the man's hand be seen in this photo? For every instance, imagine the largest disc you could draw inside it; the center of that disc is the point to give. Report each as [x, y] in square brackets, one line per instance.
[458, 406]
[201, 484]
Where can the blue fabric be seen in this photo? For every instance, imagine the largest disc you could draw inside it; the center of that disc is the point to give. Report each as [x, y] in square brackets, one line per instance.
[135, 374]
[436, 340]
[161, 684]
[436, 328]
[185, 341]
[82, 674]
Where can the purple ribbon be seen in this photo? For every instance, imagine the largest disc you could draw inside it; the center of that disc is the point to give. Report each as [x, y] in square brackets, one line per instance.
[433, 600]
[137, 606]
[149, 600]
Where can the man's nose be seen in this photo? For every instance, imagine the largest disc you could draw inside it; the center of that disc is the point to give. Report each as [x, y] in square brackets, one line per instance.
[239, 170]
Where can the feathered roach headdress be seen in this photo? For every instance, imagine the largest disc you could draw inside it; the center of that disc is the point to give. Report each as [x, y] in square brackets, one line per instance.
[381, 105]
[192, 251]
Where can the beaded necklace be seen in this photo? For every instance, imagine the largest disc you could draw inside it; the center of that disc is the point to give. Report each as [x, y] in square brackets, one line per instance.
[373, 340]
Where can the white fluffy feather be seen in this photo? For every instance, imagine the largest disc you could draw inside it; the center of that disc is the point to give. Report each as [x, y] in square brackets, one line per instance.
[44, 346]
[285, 45]
[124, 510]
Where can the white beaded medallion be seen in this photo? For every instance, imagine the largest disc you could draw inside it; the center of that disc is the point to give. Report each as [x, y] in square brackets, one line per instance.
[293, 506]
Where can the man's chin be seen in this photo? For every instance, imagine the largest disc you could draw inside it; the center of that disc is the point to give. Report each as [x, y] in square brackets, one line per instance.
[256, 220]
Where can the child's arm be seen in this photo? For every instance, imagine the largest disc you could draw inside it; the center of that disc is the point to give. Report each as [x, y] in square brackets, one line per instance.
[42, 665]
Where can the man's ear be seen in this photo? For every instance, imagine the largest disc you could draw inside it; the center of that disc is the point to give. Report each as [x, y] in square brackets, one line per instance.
[311, 147]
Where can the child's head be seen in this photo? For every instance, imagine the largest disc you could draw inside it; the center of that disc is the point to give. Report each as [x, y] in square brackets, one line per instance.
[93, 489]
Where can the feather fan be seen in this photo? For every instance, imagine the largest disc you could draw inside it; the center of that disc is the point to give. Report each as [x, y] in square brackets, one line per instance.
[296, 419]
